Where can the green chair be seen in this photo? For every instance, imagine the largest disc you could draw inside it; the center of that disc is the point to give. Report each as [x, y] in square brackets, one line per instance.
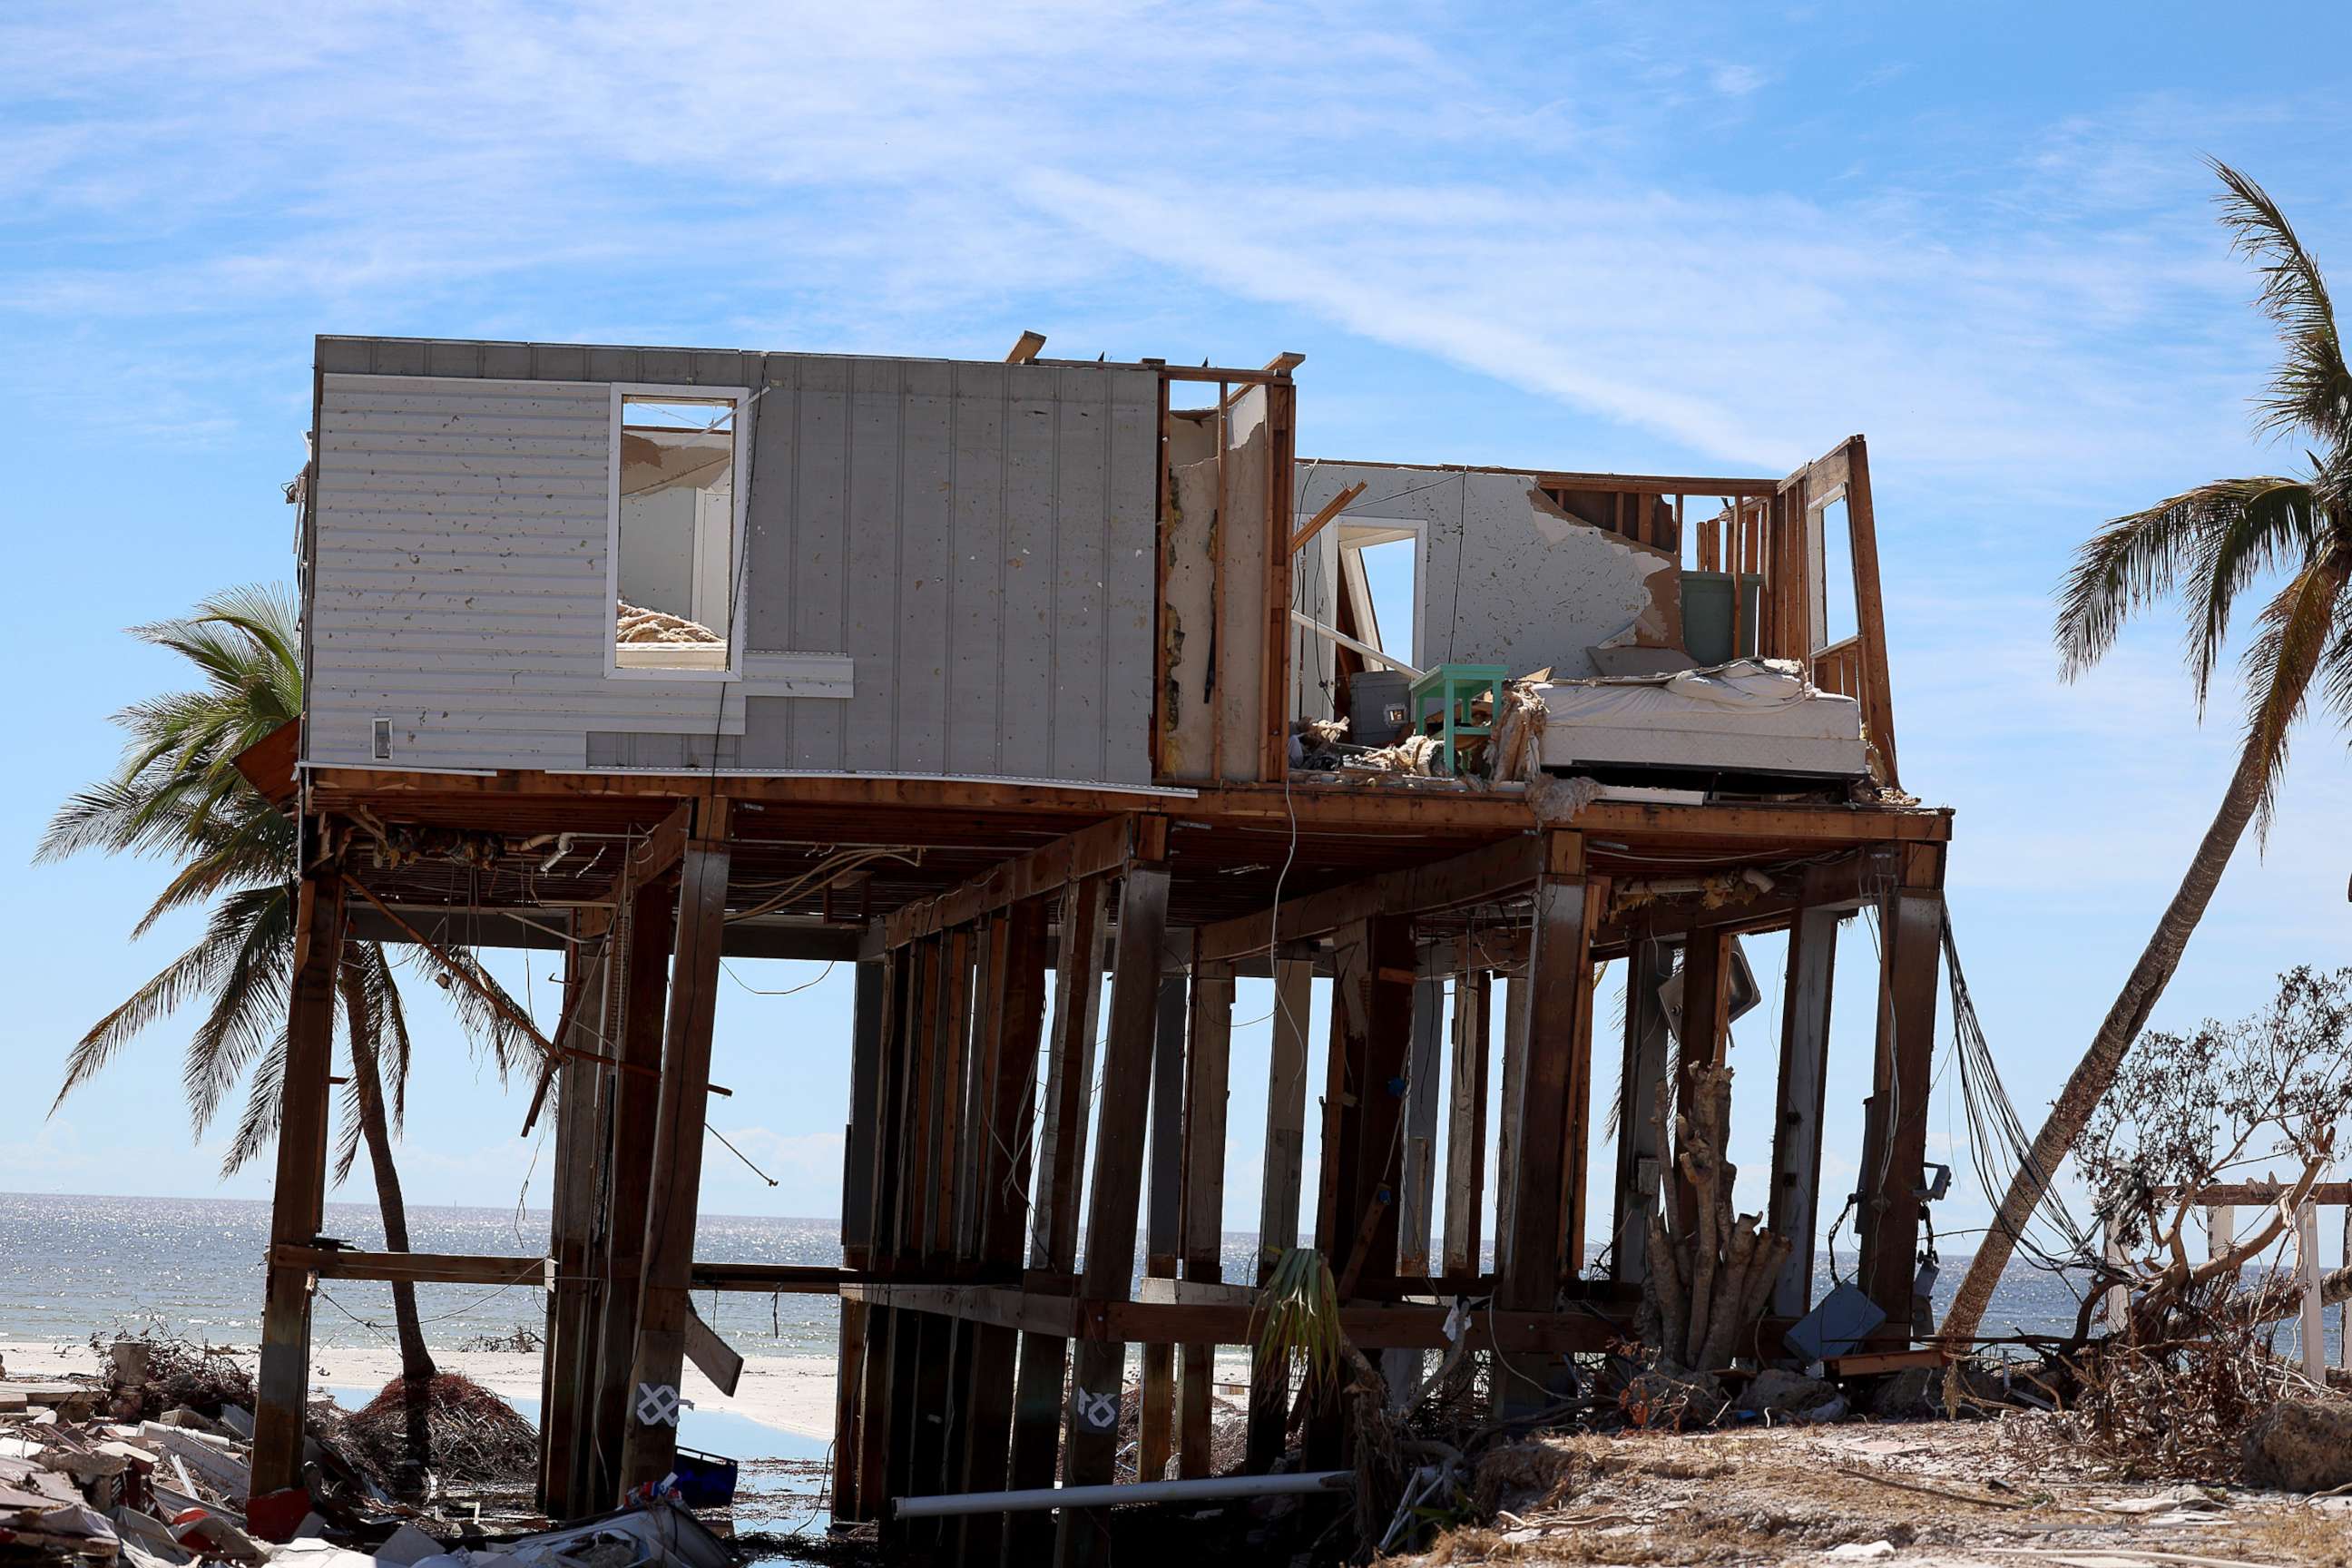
[1455, 687]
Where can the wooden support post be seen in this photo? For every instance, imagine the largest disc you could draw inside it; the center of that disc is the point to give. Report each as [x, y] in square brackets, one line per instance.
[1207, 1063]
[1559, 992]
[632, 1112]
[1164, 1211]
[907, 1329]
[1424, 1074]
[889, 1329]
[1016, 1004]
[1278, 1195]
[1356, 1216]
[568, 1354]
[1508, 1100]
[1037, 1399]
[650, 1445]
[1795, 1200]
[1466, 1135]
[861, 1139]
[2311, 1319]
[1576, 1138]
[1096, 1388]
[298, 1202]
[1894, 1143]
[1704, 1039]
[1640, 1160]
[1417, 1174]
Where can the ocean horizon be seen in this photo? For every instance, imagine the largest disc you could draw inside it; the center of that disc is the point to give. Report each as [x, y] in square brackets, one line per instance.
[73, 1266]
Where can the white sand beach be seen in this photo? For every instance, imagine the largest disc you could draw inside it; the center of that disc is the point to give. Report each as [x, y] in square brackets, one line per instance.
[793, 1393]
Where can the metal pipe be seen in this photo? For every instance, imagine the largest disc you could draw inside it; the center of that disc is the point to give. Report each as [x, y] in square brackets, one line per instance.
[1206, 1489]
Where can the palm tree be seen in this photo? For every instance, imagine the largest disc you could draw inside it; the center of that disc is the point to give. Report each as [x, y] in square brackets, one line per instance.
[2210, 546]
[177, 795]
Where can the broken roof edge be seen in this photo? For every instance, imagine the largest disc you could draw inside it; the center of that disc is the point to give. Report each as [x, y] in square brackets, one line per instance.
[341, 353]
[1647, 484]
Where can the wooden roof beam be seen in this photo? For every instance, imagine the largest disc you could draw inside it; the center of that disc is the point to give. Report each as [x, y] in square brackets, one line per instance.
[1103, 849]
[1489, 873]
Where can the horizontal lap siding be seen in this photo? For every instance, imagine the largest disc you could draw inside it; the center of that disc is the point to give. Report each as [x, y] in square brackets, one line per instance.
[977, 539]
[459, 585]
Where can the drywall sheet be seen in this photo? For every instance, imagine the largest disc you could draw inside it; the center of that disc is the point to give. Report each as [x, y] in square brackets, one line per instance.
[1505, 576]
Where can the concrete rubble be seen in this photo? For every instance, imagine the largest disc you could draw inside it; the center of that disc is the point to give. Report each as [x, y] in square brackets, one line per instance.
[107, 1470]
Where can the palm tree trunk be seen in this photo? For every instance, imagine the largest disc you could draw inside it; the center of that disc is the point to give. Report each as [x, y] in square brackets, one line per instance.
[2097, 1071]
[416, 1368]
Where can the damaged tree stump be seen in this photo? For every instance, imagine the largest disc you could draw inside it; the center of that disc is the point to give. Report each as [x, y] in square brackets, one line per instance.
[1707, 1284]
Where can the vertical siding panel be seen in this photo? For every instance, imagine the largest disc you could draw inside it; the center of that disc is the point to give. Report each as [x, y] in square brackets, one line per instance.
[1031, 523]
[1080, 649]
[874, 582]
[820, 555]
[928, 647]
[771, 575]
[1134, 407]
[974, 684]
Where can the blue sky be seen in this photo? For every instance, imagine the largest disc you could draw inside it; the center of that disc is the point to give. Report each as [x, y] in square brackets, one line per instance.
[1586, 237]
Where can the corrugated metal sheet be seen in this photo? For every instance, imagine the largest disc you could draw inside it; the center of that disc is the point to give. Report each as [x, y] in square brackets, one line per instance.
[975, 539]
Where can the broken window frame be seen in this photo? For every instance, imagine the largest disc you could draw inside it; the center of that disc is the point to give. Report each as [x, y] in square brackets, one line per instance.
[739, 398]
[1356, 535]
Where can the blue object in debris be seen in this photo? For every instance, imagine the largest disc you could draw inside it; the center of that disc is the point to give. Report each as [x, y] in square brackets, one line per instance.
[1842, 1321]
[704, 1480]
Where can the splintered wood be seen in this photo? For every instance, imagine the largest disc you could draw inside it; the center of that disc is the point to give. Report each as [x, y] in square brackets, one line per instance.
[1709, 1283]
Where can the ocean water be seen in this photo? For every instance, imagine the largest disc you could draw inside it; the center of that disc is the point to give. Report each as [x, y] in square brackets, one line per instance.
[73, 1266]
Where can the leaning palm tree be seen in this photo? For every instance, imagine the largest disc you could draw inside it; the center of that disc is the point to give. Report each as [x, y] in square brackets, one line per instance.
[177, 795]
[2210, 546]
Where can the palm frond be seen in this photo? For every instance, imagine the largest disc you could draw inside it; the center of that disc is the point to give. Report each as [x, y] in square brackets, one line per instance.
[258, 1128]
[193, 973]
[2220, 535]
[250, 994]
[2312, 388]
[2286, 653]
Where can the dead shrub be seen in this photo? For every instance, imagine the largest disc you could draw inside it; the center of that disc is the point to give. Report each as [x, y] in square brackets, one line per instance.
[474, 1435]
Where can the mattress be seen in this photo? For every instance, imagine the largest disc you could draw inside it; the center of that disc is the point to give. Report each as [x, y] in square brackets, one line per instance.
[1751, 715]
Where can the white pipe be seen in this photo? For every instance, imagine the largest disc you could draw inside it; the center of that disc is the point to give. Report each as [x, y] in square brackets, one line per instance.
[1207, 1488]
[1344, 640]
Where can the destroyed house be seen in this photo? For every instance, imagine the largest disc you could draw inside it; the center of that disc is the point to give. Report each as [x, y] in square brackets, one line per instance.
[1058, 696]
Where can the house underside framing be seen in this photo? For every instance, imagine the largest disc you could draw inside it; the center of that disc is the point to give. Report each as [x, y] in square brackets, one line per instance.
[1018, 942]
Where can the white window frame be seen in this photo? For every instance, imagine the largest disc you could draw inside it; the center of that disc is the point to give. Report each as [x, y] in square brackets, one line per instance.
[739, 475]
[1357, 532]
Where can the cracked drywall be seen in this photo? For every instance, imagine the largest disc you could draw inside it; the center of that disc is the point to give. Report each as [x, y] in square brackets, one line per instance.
[1505, 575]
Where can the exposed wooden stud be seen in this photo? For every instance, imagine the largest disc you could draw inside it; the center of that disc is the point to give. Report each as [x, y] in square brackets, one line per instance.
[631, 1112]
[1207, 1062]
[650, 1445]
[1466, 1135]
[1278, 1200]
[1894, 1134]
[1870, 614]
[565, 1420]
[1037, 1401]
[1424, 1072]
[1017, 990]
[1097, 1389]
[1567, 905]
[1795, 1201]
[1324, 516]
[1640, 1158]
[297, 1201]
[860, 1140]
[1163, 1213]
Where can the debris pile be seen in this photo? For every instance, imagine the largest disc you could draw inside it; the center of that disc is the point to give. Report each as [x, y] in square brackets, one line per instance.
[635, 624]
[149, 1464]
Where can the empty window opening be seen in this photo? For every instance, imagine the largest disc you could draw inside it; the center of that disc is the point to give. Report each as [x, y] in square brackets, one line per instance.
[1835, 617]
[1381, 565]
[677, 534]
